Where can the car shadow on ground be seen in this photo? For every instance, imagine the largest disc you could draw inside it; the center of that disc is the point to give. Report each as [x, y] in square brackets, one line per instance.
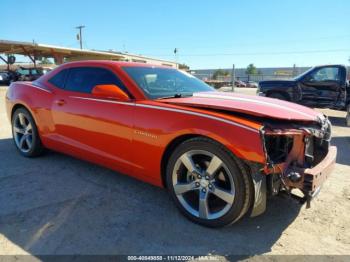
[56, 204]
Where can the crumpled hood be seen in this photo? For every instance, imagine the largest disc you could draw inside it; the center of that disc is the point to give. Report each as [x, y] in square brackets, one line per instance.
[253, 105]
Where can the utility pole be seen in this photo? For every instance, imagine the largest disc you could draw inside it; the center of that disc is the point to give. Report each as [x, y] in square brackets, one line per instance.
[233, 77]
[176, 51]
[79, 36]
[294, 73]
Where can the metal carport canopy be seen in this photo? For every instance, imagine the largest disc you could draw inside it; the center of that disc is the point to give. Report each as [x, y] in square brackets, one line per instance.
[33, 50]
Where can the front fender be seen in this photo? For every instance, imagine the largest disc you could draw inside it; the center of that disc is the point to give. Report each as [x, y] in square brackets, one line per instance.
[157, 127]
[245, 143]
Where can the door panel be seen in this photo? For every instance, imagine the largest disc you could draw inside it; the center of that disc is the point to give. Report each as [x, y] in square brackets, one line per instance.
[99, 130]
[322, 87]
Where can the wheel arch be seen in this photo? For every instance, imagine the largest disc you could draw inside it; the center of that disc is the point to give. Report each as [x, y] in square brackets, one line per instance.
[170, 148]
[17, 106]
[36, 147]
[22, 105]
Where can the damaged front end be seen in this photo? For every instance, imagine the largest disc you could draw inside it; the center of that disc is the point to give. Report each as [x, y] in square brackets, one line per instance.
[299, 156]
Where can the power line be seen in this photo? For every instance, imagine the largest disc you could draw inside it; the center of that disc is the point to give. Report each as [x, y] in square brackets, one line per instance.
[258, 43]
[259, 53]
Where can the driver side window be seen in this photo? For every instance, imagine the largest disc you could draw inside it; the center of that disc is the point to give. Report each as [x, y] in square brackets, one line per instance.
[83, 79]
[325, 74]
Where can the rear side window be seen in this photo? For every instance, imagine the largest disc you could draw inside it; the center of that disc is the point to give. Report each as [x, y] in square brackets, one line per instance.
[59, 79]
[83, 79]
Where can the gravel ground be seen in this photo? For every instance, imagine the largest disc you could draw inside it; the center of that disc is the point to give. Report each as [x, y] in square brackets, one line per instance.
[56, 204]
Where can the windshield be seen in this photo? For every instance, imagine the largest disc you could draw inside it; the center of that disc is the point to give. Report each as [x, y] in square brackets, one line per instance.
[303, 74]
[37, 71]
[166, 82]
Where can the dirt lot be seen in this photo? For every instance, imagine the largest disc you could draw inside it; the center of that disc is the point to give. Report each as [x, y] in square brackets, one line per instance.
[56, 204]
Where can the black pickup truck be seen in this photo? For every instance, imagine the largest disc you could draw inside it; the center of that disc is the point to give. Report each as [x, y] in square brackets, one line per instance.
[323, 86]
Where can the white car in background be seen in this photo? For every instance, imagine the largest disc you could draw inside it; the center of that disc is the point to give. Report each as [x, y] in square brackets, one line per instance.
[252, 84]
[5, 78]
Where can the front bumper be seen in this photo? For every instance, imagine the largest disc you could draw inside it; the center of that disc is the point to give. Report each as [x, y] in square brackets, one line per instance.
[315, 177]
[311, 178]
[310, 184]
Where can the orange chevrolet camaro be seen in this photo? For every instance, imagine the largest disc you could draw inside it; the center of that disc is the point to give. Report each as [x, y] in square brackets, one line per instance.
[220, 155]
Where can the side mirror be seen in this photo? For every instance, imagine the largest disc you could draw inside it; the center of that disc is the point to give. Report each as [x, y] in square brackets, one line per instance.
[110, 91]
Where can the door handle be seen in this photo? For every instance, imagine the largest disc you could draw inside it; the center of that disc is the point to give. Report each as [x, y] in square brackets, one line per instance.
[60, 102]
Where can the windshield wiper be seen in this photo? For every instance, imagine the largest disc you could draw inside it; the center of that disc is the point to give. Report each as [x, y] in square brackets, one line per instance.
[178, 95]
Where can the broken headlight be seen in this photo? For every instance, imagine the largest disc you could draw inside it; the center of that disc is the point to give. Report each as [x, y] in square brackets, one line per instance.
[278, 147]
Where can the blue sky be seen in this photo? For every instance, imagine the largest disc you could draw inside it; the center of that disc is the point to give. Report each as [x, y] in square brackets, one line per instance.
[208, 34]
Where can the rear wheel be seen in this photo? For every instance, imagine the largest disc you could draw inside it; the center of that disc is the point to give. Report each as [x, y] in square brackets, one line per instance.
[25, 133]
[207, 183]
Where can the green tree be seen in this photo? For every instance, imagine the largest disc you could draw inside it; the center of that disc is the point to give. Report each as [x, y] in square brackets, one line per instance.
[251, 70]
[184, 67]
[219, 73]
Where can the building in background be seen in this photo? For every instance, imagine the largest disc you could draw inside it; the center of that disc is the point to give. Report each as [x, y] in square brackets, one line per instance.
[37, 52]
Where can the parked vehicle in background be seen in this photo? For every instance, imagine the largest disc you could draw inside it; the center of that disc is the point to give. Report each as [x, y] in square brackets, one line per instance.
[219, 154]
[217, 84]
[323, 86]
[240, 83]
[7, 77]
[46, 70]
[29, 74]
[252, 84]
[4, 78]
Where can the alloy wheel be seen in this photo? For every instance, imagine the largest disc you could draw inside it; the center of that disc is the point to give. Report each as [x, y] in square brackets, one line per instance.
[23, 133]
[203, 184]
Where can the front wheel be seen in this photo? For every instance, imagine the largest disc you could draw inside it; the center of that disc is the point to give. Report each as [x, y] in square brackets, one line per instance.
[207, 183]
[25, 133]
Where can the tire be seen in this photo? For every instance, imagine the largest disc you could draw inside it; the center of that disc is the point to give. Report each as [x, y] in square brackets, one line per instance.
[25, 134]
[200, 194]
[348, 116]
[278, 96]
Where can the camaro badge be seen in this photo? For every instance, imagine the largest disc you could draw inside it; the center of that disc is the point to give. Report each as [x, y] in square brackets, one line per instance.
[142, 133]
